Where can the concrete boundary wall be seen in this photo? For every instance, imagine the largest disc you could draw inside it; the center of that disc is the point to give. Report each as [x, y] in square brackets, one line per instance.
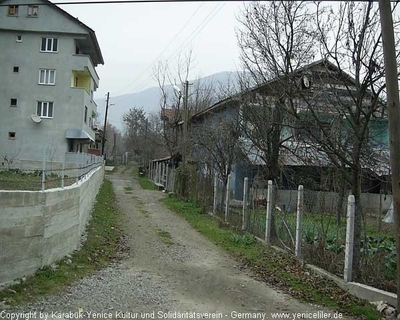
[38, 228]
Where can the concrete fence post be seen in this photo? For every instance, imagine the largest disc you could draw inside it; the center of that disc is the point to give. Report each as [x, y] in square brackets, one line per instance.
[228, 183]
[63, 173]
[159, 173]
[348, 260]
[268, 220]
[245, 196]
[163, 174]
[299, 222]
[44, 170]
[166, 177]
[81, 167]
[149, 172]
[76, 167]
[215, 195]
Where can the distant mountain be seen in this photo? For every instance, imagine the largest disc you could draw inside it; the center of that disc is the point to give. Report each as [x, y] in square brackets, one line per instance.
[149, 99]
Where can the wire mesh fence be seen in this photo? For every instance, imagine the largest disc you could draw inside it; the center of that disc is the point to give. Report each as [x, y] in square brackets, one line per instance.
[324, 230]
[309, 224]
[378, 246]
[22, 174]
[320, 238]
[283, 225]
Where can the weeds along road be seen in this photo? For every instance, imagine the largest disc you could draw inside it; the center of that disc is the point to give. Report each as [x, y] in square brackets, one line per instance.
[169, 267]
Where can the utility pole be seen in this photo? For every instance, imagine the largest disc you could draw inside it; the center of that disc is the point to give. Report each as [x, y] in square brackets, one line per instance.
[185, 122]
[393, 105]
[103, 142]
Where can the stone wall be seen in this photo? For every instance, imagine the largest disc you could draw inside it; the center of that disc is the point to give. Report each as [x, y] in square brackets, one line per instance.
[39, 228]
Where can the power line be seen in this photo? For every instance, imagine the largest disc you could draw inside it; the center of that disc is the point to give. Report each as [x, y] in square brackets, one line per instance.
[188, 39]
[165, 48]
[199, 28]
[118, 2]
[184, 44]
[150, 1]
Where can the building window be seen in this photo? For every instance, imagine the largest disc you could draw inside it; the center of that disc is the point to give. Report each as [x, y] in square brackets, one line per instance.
[15, 69]
[12, 11]
[19, 39]
[11, 135]
[85, 118]
[44, 109]
[49, 45]
[33, 11]
[47, 76]
[13, 102]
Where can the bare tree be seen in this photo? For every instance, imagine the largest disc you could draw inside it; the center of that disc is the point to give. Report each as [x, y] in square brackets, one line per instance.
[114, 142]
[172, 84]
[216, 140]
[275, 39]
[171, 111]
[335, 106]
[351, 39]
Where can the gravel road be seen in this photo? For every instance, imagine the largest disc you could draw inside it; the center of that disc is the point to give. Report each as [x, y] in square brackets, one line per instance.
[170, 268]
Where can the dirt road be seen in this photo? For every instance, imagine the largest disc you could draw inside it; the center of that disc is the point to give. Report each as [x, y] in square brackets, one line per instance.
[170, 268]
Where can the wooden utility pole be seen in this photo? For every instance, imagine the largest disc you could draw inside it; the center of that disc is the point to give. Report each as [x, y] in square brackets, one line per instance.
[392, 87]
[103, 142]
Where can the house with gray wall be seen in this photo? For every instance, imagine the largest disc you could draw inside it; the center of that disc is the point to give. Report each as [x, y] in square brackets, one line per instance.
[47, 66]
[301, 159]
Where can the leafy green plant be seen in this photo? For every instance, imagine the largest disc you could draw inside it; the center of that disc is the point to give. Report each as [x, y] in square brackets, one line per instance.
[243, 240]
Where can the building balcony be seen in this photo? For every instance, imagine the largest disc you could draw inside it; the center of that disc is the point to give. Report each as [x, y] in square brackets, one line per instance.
[79, 100]
[83, 63]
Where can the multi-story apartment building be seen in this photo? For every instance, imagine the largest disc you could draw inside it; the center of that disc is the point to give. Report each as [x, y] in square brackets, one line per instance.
[47, 80]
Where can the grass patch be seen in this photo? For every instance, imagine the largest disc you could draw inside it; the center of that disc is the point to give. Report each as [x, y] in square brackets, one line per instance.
[145, 183]
[275, 268]
[19, 180]
[143, 180]
[165, 237]
[101, 247]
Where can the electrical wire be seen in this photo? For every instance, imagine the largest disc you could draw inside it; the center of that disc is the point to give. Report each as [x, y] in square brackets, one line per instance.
[160, 54]
[183, 45]
[126, 2]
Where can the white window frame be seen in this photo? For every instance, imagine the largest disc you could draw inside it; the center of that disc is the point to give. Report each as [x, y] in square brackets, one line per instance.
[51, 42]
[18, 39]
[47, 77]
[45, 106]
[12, 11]
[33, 11]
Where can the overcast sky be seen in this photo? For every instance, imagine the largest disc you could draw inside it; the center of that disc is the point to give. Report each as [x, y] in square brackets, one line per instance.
[133, 37]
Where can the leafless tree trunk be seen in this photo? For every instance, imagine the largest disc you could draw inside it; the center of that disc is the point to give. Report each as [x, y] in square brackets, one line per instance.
[275, 39]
